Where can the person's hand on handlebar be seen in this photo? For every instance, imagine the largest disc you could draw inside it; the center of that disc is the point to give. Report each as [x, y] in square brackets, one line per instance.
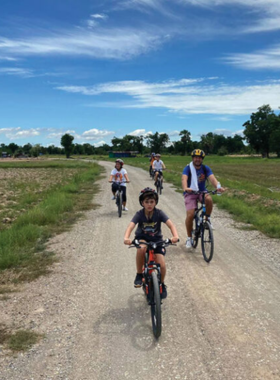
[174, 239]
[127, 241]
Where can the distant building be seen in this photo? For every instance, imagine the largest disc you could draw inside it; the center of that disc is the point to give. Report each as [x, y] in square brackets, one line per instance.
[4, 154]
[114, 154]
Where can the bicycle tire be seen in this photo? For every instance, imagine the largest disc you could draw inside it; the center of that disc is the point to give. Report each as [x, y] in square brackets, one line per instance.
[195, 233]
[207, 241]
[158, 187]
[120, 205]
[155, 305]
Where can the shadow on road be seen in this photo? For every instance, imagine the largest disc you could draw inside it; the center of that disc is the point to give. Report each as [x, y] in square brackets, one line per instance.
[133, 321]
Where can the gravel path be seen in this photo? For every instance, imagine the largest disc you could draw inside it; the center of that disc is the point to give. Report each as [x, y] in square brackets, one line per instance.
[220, 321]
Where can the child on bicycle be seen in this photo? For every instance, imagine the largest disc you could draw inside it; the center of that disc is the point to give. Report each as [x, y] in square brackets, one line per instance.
[158, 166]
[149, 221]
[119, 174]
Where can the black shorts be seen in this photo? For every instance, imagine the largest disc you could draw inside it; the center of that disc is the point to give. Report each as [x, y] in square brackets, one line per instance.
[159, 249]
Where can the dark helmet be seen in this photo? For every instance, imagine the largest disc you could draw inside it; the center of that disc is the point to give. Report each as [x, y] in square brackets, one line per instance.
[198, 152]
[153, 154]
[148, 191]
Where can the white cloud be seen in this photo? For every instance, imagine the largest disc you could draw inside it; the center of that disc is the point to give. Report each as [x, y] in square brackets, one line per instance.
[100, 143]
[265, 59]
[16, 71]
[196, 96]
[173, 133]
[99, 16]
[105, 43]
[18, 133]
[138, 132]
[96, 134]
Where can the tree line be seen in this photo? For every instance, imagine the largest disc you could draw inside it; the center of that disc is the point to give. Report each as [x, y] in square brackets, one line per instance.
[261, 135]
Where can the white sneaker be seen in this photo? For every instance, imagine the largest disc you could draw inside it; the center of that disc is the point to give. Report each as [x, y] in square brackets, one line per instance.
[189, 243]
[113, 197]
[210, 221]
[125, 209]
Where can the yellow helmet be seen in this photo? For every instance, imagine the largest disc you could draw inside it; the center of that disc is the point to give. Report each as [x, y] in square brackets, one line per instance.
[198, 152]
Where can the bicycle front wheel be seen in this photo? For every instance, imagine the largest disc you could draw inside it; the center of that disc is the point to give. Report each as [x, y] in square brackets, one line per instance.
[207, 241]
[158, 187]
[120, 204]
[155, 305]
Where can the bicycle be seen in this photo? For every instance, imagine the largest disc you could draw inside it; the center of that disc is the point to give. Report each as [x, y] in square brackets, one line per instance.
[202, 229]
[152, 286]
[159, 181]
[119, 196]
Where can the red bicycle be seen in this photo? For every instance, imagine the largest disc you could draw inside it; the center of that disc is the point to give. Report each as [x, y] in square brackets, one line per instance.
[152, 280]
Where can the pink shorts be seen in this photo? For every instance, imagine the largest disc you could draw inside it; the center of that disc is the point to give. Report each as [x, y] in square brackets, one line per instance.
[191, 201]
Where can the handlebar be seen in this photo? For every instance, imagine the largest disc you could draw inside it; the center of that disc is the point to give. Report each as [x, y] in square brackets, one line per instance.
[119, 182]
[164, 243]
[201, 192]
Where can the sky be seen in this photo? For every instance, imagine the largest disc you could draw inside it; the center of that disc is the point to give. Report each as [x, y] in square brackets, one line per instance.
[100, 68]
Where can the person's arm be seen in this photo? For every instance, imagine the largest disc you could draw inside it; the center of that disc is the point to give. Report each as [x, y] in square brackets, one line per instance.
[173, 230]
[163, 166]
[185, 184]
[214, 182]
[111, 178]
[127, 234]
[126, 177]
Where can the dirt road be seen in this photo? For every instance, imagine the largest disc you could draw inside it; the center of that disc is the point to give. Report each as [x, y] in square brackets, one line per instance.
[220, 321]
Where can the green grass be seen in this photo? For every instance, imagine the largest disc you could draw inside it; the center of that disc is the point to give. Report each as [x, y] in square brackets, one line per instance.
[253, 186]
[22, 340]
[22, 244]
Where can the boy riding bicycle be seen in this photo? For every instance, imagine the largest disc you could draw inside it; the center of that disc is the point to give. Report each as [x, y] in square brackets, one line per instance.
[149, 221]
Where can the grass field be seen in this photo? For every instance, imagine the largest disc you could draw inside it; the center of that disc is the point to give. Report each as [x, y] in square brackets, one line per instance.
[253, 187]
[40, 198]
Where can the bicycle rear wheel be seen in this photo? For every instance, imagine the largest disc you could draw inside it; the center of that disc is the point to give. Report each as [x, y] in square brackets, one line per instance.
[155, 305]
[120, 204]
[207, 241]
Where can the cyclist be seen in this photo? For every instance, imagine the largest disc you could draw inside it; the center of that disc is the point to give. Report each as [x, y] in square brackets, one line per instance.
[158, 165]
[119, 174]
[149, 220]
[152, 159]
[193, 179]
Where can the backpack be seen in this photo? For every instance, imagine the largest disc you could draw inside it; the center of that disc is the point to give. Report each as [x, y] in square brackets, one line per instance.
[204, 171]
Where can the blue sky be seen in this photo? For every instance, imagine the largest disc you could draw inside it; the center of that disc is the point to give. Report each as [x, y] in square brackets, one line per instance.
[99, 69]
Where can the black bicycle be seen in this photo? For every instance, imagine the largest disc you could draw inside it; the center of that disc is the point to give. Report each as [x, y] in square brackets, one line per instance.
[152, 281]
[159, 181]
[119, 196]
[202, 228]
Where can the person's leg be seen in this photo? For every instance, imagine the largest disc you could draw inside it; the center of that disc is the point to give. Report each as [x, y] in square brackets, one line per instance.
[209, 205]
[114, 189]
[156, 175]
[124, 195]
[140, 257]
[189, 222]
[161, 260]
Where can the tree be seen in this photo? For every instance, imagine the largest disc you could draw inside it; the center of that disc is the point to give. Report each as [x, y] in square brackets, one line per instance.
[12, 147]
[274, 141]
[157, 141]
[185, 140]
[207, 142]
[259, 128]
[66, 142]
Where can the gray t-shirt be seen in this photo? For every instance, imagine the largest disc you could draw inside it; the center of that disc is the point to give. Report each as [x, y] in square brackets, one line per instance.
[149, 229]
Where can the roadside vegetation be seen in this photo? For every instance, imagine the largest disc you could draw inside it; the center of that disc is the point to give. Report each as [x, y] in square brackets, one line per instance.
[253, 187]
[40, 199]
